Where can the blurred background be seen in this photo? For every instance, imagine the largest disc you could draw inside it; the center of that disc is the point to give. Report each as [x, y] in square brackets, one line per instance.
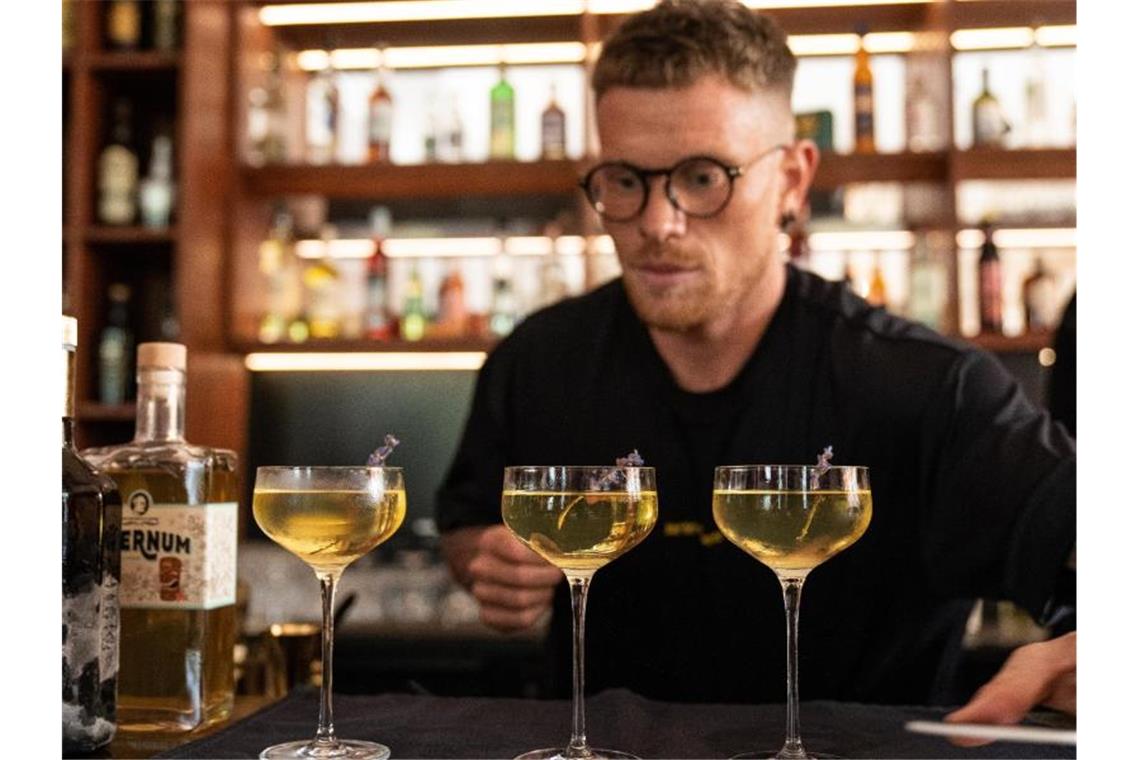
[340, 208]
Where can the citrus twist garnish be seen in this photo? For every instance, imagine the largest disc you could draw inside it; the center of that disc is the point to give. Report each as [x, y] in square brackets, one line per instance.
[632, 459]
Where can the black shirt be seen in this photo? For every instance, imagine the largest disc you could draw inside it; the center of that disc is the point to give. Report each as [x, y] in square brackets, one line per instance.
[974, 492]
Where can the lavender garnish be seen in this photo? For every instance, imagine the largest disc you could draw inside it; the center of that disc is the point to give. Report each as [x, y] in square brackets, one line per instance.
[377, 457]
[822, 465]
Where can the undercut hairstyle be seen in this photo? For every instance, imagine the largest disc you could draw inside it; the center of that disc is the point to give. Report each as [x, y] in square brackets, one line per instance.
[677, 42]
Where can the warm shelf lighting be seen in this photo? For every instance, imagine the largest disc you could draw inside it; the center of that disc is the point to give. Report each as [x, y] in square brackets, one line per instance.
[1057, 36]
[992, 39]
[441, 56]
[400, 361]
[443, 248]
[847, 44]
[861, 240]
[1056, 237]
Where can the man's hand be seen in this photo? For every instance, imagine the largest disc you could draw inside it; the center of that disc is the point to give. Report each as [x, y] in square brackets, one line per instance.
[513, 585]
[1044, 673]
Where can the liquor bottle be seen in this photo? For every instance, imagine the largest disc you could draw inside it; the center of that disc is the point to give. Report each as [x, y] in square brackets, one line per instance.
[989, 283]
[922, 114]
[928, 296]
[990, 126]
[165, 19]
[452, 319]
[503, 118]
[124, 25]
[324, 117]
[179, 558]
[273, 255]
[116, 346]
[380, 113]
[864, 87]
[504, 305]
[877, 288]
[431, 134]
[322, 282]
[553, 129]
[1038, 298]
[156, 192]
[377, 319]
[92, 510]
[1036, 106]
[266, 118]
[67, 33]
[413, 320]
[449, 143]
[119, 171]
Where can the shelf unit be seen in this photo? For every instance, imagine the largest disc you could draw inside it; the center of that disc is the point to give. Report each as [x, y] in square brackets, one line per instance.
[185, 263]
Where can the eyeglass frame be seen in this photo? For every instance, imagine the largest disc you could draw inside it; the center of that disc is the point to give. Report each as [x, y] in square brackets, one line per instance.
[644, 175]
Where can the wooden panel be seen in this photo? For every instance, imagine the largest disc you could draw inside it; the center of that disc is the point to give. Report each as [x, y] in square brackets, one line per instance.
[390, 182]
[1014, 164]
[145, 60]
[979, 15]
[443, 32]
[130, 235]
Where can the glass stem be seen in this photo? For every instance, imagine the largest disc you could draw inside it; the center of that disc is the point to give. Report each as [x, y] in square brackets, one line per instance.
[579, 585]
[325, 734]
[793, 746]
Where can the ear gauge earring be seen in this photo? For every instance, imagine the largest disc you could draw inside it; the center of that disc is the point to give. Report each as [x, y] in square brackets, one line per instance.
[786, 220]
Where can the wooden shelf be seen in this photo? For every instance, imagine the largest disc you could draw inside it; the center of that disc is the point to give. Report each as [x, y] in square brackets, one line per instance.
[130, 235]
[144, 60]
[92, 411]
[430, 33]
[391, 182]
[1059, 163]
[838, 169]
[1027, 343]
[361, 346]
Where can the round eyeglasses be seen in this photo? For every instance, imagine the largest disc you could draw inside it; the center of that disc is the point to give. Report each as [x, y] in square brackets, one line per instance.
[700, 186]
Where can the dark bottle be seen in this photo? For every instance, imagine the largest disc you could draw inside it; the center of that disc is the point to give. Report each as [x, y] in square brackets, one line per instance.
[989, 283]
[92, 512]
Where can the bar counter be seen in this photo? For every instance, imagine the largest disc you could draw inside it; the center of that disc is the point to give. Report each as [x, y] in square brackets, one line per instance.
[449, 727]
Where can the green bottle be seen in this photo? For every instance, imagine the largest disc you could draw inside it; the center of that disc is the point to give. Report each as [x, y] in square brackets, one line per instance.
[503, 118]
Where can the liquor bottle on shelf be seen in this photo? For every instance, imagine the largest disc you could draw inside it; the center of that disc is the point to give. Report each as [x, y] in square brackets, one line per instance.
[179, 558]
[449, 142]
[377, 317]
[322, 282]
[431, 134]
[67, 32]
[504, 305]
[323, 121]
[990, 126]
[156, 192]
[1036, 105]
[266, 118]
[864, 89]
[452, 319]
[165, 20]
[124, 25]
[989, 283]
[116, 347]
[1038, 298]
[277, 266]
[922, 116]
[92, 511]
[553, 287]
[381, 110]
[502, 118]
[877, 287]
[553, 128]
[413, 320]
[928, 296]
[119, 170]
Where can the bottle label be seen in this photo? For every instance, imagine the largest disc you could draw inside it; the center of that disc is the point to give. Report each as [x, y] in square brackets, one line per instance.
[380, 122]
[864, 110]
[178, 556]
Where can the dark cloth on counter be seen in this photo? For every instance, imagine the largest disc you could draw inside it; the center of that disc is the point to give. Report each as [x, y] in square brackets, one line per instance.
[974, 493]
[448, 727]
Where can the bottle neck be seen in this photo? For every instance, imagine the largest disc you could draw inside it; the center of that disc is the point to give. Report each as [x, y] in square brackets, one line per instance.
[161, 406]
[68, 397]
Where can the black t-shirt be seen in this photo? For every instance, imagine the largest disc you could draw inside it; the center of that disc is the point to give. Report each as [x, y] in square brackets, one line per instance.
[974, 492]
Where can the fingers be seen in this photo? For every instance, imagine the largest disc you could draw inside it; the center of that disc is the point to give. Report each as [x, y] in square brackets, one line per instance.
[512, 597]
[500, 542]
[489, 568]
[509, 621]
[1044, 672]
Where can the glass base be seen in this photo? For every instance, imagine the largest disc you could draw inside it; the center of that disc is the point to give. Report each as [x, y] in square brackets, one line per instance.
[339, 749]
[556, 753]
[774, 754]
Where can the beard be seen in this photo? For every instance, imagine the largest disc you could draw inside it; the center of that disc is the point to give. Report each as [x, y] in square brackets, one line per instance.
[677, 307]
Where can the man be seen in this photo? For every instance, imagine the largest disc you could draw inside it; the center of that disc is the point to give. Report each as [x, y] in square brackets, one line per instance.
[711, 350]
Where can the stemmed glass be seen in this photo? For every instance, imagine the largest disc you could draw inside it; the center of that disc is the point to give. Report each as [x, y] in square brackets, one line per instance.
[792, 518]
[329, 517]
[578, 519]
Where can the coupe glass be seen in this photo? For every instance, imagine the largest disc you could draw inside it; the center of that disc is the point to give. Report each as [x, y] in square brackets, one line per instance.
[792, 518]
[329, 517]
[578, 519]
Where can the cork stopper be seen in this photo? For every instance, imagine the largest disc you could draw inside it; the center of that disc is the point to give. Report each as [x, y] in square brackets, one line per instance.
[70, 332]
[162, 356]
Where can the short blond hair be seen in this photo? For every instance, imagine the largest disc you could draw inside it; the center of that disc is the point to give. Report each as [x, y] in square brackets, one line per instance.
[677, 42]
